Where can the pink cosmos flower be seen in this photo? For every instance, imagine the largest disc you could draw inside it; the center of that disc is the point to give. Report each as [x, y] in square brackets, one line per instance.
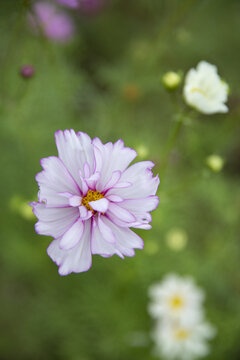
[70, 3]
[87, 6]
[89, 198]
[54, 24]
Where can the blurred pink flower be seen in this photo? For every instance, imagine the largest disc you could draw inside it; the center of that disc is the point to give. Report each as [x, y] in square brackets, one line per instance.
[70, 3]
[54, 24]
[87, 6]
[89, 198]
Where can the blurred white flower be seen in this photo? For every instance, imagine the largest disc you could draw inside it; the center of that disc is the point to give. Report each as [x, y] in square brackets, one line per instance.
[176, 298]
[184, 342]
[204, 90]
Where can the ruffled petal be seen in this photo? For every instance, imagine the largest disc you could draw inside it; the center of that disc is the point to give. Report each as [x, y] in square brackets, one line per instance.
[99, 244]
[53, 180]
[112, 157]
[54, 221]
[78, 259]
[100, 205]
[72, 236]
[75, 149]
[106, 230]
[126, 239]
[143, 182]
[120, 213]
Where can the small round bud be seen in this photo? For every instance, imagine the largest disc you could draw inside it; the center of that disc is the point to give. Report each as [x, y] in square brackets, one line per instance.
[176, 239]
[215, 162]
[171, 80]
[142, 151]
[27, 71]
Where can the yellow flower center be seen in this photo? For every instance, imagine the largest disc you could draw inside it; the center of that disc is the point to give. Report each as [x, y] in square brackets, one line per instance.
[201, 91]
[182, 334]
[176, 302]
[91, 196]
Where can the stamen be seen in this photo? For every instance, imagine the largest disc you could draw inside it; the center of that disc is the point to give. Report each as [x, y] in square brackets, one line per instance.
[91, 196]
[182, 334]
[176, 302]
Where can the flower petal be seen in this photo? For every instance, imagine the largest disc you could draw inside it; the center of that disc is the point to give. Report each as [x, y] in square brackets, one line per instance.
[100, 205]
[99, 245]
[78, 259]
[120, 213]
[105, 230]
[54, 221]
[72, 236]
[75, 200]
[75, 149]
[113, 180]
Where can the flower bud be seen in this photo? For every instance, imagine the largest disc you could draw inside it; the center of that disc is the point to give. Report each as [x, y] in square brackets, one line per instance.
[171, 80]
[215, 162]
[176, 239]
[27, 71]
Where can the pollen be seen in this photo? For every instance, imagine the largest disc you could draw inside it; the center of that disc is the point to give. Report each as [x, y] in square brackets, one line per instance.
[91, 196]
[182, 334]
[201, 91]
[176, 302]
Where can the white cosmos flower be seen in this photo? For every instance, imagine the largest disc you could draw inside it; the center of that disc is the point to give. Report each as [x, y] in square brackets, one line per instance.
[184, 342]
[204, 90]
[176, 298]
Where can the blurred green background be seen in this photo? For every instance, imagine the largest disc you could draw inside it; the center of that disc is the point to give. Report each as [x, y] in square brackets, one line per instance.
[107, 82]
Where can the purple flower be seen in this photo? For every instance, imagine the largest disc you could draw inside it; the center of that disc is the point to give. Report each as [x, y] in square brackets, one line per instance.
[27, 71]
[54, 24]
[70, 3]
[87, 6]
[89, 198]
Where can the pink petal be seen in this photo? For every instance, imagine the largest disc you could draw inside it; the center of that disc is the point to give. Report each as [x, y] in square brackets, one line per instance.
[54, 221]
[120, 213]
[126, 239]
[56, 177]
[99, 245]
[114, 198]
[86, 170]
[105, 230]
[100, 205]
[84, 213]
[75, 150]
[79, 258]
[75, 200]
[72, 236]
[113, 179]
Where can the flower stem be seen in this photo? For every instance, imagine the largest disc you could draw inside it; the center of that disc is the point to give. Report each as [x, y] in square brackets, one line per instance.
[171, 143]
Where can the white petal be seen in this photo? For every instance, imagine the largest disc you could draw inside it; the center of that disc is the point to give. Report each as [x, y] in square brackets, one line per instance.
[114, 198]
[56, 177]
[77, 259]
[75, 150]
[99, 245]
[113, 180]
[72, 236]
[54, 221]
[120, 213]
[100, 205]
[75, 200]
[105, 230]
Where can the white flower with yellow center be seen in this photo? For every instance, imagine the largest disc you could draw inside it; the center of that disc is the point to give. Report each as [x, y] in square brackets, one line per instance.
[176, 298]
[183, 342]
[205, 90]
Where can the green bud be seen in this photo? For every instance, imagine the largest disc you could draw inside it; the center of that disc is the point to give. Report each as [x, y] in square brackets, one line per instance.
[171, 80]
[215, 162]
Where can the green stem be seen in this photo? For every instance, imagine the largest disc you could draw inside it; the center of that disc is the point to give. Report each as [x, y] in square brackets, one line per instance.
[170, 144]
